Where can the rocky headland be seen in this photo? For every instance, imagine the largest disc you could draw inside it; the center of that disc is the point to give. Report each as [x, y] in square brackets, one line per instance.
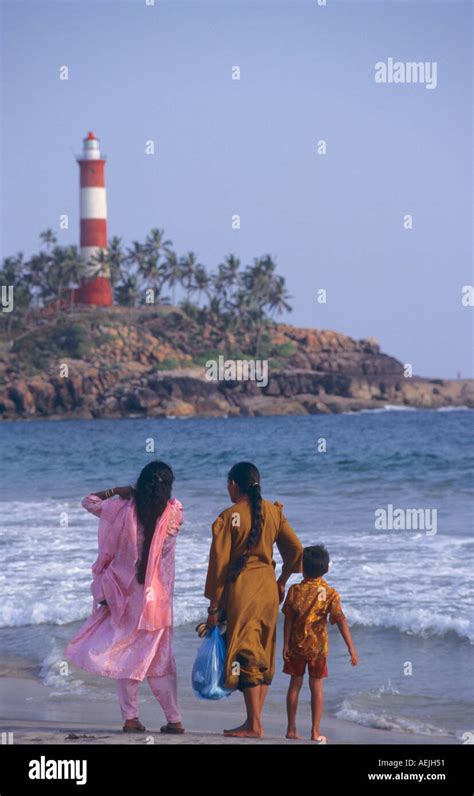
[151, 362]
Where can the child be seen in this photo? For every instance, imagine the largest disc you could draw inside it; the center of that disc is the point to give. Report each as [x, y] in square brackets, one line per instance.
[306, 608]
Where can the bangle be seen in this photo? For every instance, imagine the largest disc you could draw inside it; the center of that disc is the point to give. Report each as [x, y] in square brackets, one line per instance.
[109, 492]
[212, 611]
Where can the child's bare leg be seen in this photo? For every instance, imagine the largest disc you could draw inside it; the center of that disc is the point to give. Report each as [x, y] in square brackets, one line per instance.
[292, 704]
[316, 687]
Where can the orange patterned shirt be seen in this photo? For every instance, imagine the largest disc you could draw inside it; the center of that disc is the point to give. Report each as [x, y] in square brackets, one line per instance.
[308, 604]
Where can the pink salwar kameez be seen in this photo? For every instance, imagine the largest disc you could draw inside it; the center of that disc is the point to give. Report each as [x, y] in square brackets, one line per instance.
[131, 638]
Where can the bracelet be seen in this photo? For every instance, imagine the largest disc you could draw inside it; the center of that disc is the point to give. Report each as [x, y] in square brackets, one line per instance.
[211, 611]
[109, 492]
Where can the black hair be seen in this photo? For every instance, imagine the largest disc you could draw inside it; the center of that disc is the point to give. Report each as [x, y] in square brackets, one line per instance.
[315, 561]
[247, 478]
[152, 492]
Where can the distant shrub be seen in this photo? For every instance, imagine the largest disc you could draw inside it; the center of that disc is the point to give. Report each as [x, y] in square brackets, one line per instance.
[286, 349]
[201, 359]
[75, 342]
[39, 348]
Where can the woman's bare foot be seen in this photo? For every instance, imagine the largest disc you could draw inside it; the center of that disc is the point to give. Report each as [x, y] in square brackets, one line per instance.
[292, 733]
[321, 739]
[246, 730]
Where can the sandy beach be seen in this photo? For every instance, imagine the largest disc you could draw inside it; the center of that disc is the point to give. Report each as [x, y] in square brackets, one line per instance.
[34, 716]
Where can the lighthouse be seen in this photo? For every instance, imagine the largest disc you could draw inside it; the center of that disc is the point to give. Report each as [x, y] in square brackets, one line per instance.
[95, 285]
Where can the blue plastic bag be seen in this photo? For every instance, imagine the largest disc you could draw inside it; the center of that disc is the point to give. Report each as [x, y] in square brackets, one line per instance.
[208, 669]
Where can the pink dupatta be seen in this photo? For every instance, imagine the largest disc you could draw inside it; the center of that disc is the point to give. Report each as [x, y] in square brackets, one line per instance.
[115, 566]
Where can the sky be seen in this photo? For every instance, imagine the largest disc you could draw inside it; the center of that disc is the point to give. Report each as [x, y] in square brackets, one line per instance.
[250, 147]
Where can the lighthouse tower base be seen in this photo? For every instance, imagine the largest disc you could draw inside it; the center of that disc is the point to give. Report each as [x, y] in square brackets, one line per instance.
[97, 291]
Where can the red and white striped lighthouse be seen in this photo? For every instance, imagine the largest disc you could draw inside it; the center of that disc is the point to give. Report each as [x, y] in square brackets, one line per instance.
[95, 285]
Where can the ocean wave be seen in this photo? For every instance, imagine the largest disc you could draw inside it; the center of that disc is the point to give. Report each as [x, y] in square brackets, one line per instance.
[42, 613]
[66, 613]
[397, 408]
[383, 409]
[415, 621]
[402, 408]
[383, 721]
[454, 409]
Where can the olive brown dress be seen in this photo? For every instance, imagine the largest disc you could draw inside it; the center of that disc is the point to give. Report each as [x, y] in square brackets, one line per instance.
[250, 604]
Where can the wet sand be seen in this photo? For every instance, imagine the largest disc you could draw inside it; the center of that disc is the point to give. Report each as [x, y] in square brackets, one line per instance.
[35, 716]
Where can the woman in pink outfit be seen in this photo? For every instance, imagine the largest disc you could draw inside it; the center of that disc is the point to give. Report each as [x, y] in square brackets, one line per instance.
[129, 634]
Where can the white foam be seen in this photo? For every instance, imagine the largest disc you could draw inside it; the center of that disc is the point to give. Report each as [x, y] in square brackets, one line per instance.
[382, 409]
[54, 672]
[414, 621]
[454, 409]
[383, 721]
[397, 408]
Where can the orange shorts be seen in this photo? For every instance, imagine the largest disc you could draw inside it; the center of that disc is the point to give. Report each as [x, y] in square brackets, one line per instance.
[297, 666]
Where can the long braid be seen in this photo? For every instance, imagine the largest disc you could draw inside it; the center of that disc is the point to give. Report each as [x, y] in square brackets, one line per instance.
[247, 479]
[152, 492]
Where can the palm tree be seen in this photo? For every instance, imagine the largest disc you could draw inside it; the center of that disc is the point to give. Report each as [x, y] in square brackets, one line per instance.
[74, 268]
[227, 280]
[173, 272]
[228, 327]
[277, 300]
[189, 309]
[154, 243]
[258, 281]
[151, 272]
[137, 265]
[215, 307]
[136, 255]
[153, 268]
[38, 266]
[230, 271]
[50, 273]
[201, 282]
[99, 262]
[188, 265]
[117, 260]
[49, 238]
[65, 269]
[127, 292]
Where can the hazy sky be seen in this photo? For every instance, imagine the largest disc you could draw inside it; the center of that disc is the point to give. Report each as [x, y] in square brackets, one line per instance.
[223, 146]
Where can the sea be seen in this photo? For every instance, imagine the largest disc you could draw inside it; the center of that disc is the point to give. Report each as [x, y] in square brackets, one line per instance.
[406, 588]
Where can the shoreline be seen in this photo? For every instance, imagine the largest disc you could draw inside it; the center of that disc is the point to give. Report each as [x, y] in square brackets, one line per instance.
[36, 714]
[355, 408]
